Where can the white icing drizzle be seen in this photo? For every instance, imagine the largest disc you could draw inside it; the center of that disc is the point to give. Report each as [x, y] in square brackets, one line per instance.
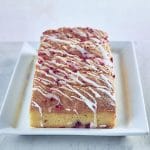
[107, 93]
[79, 32]
[93, 98]
[43, 80]
[51, 74]
[46, 94]
[62, 71]
[97, 95]
[95, 63]
[90, 104]
[76, 60]
[68, 109]
[45, 73]
[95, 40]
[106, 58]
[108, 62]
[75, 111]
[87, 80]
[93, 110]
[50, 65]
[88, 65]
[34, 104]
[93, 67]
[95, 107]
[61, 93]
[60, 58]
[94, 76]
[82, 50]
[46, 52]
[60, 51]
[60, 40]
[79, 99]
[71, 44]
[104, 78]
[74, 77]
[103, 51]
[56, 51]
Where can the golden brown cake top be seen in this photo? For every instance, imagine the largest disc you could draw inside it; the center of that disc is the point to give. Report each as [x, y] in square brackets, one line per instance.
[74, 72]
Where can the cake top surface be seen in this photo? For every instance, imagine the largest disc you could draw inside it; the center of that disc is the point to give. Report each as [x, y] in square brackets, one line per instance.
[74, 72]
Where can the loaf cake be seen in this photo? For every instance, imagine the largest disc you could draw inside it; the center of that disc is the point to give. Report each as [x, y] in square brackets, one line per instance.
[73, 85]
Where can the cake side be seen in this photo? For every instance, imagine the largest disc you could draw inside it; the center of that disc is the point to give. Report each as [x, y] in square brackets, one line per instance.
[83, 120]
[73, 77]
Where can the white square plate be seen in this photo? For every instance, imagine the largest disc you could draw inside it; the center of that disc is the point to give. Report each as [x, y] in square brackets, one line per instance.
[131, 115]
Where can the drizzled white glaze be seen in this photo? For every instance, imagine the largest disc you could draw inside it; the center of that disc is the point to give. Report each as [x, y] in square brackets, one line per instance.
[46, 74]
[70, 43]
[96, 40]
[75, 111]
[46, 94]
[79, 32]
[107, 93]
[51, 38]
[106, 58]
[77, 47]
[97, 95]
[68, 109]
[87, 80]
[34, 104]
[62, 93]
[46, 52]
[43, 80]
[105, 79]
[82, 50]
[75, 78]
[89, 103]
[89, 95]
[90, 99]
[104, 52]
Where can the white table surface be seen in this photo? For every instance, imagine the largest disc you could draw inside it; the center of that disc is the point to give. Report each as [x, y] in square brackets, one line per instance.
[25, 20]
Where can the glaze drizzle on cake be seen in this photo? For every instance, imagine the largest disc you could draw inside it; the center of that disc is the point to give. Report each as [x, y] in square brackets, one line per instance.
[74, 75]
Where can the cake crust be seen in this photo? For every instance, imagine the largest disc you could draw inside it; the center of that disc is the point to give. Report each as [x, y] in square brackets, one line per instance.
[73, 84]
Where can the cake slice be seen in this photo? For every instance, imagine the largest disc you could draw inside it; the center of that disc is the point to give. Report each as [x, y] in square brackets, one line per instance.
[73, 84]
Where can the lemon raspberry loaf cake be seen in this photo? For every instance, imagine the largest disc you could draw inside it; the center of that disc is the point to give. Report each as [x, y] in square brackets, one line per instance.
[73, 84]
